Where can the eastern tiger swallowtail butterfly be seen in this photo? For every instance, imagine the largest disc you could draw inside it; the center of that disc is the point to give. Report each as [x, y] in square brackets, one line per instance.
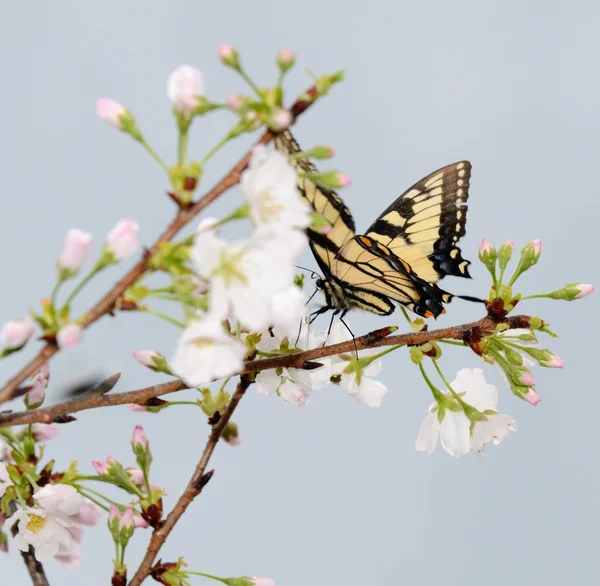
[406, 251]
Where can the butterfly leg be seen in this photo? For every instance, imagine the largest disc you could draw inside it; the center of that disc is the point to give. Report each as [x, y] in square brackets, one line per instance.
[351, 333]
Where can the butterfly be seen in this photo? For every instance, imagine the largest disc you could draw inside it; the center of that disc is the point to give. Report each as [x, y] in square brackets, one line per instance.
[406, 251]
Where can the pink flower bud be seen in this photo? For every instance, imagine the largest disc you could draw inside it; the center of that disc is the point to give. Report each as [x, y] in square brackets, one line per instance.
[553, 361]
[286, 56]
[226, 52]
[101, 467]
[343, 180]
[69, 336]
[122, 240]
[138, 408]
[114, 512]
[532, 397]
[184, 86]
[16, 333]
[136, 475]
[42, 431]
[235, 103]
[526, 379]
[126, 521]
[89, 513]
[510, 244]
[282, 119]
[485, 246]
[139, 522]
[145, 357]
[537, 246]
[584, 290]
[77, 247]
[45, 370]
[35, 395]
[259, 581]
[110, 111]
[139, 438]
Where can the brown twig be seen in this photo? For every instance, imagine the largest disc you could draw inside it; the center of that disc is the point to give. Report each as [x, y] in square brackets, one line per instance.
[107, 304]
[194, 487]
[35, 568]
[98, 398]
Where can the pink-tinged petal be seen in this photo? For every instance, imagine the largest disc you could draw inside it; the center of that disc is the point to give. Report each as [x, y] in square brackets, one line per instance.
[126, 521]
[114, 513]
[43, 431]
[16, 333]
[282, 119]
[537, 246]
[71, 558]
[100, 467]
[89, 514]
[226, 51]
[485, 246]
[145, 357]
[344, 180]
[139, 522]
[260, 581]
[235, 103]
[584, 290]
[532, 397]
[136, 475]
[77, 248]
[553, 361]
[286, 56]
[69, 336]
[184, 87]
[139, 438]
[35, 395]
[110, 111]
[510, 244]
[526, 379]
[123, 239]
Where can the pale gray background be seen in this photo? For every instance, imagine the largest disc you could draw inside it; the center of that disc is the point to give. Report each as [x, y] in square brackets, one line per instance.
[335, 493]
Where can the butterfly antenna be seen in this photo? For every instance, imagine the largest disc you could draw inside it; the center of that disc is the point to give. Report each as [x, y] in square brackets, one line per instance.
[310, 298]
[313, 274]
[469, 298]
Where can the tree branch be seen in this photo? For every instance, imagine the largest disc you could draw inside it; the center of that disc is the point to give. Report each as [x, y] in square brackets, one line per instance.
[194, 487]
[108, 303]
[378, 338]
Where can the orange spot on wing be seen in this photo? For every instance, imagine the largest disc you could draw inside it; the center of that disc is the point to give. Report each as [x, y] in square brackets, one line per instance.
[428, 314]
[366, 241]
[444, 310]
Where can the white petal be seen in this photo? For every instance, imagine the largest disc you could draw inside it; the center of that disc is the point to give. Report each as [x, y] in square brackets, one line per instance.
[454, 433]
[293, 393]
[370, 392]
[267, 382]
[428, 434]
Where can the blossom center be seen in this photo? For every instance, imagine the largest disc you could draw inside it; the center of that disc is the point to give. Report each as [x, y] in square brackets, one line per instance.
[203, 343]
[269, 209]
[36, 523]
[230, 268]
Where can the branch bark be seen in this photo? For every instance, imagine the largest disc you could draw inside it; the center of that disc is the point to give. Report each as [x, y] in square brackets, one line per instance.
[107, 304]
[195, 485]
[378, 338]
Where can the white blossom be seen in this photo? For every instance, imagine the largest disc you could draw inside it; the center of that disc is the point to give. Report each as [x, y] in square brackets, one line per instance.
[5, 480]
[184, 87]
[454, 430]
[48, 534]
[270, 185]
[243, 276]
[356, 380]
[205, 352]
[58, 499]
[292, 384]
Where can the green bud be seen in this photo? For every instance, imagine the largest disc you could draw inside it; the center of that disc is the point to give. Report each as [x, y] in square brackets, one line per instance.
[505, 254]
[513, 356]
[317, 152]
[572, 291]
[328, 179]
[415, 354]
[129, 126]
[285, 60]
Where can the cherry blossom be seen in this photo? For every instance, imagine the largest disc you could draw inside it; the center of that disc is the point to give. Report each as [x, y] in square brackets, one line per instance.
[78, 245]
[59, 499]
[184, 87]
[16, 333]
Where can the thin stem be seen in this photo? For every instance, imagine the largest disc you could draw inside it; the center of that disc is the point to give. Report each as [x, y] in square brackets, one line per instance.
[94, 500]
[146, 480]
[452, 342]
[169, 296]
[182, 147]
[205, 575]
[437, 394]
[155, 156]
[466, 407]
[216, 148]
[82, 284]
[55, 290]
[538, 296]
[405, 314]
[254, 87]
[164, 316]
[20, 498]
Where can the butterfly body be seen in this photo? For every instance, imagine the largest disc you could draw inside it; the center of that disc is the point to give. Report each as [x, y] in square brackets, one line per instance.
[405, 252]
